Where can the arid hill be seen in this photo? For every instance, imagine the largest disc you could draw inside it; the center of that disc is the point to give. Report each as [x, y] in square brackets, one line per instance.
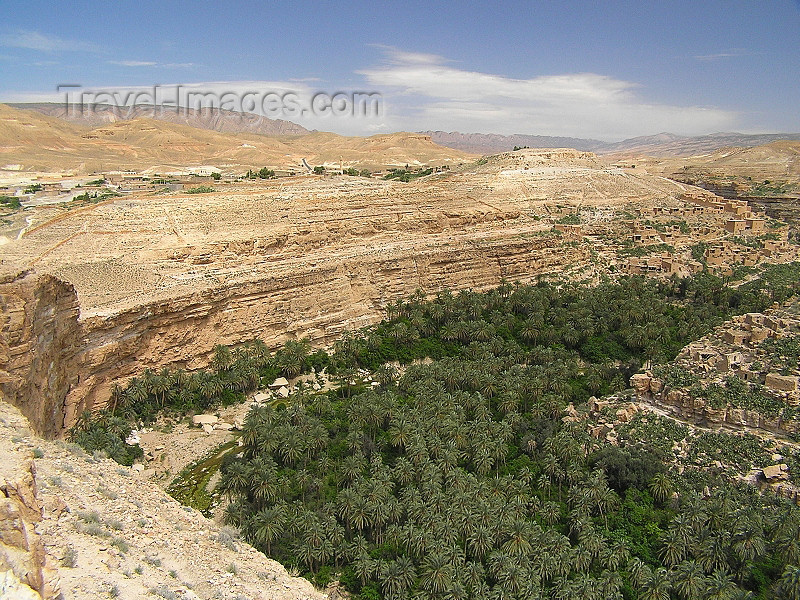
[777, 161]
[30, 141]
[82, 528]
[226, 121]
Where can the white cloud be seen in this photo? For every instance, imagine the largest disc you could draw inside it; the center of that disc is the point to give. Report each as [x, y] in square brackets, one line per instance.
[132, 63]
[34, 40]
[150, 63]
[428, 93]
[425, 91]
[734, 53]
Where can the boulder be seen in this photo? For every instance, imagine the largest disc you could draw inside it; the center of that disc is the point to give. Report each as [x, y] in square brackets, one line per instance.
[223, 426]
[204, 419]
[283, 392]
[641, 383]
[596, 405]
[776, 472]
[261, 397]
[278, 383]
[208, 428]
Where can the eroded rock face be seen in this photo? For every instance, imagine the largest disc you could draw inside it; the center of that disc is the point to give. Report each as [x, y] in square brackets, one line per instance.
[53, 366]
[26, 571]
[40, 341]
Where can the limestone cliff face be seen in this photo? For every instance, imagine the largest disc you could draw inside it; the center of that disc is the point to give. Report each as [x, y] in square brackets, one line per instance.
[40, 339]
[55, 365]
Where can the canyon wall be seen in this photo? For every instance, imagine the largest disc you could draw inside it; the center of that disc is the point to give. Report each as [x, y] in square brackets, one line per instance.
[54, 365]
[40, 344]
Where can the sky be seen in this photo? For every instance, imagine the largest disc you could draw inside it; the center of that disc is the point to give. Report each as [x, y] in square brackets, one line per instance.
[606, 70]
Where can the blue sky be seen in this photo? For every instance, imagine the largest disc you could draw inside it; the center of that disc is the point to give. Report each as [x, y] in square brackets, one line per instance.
[607, 70]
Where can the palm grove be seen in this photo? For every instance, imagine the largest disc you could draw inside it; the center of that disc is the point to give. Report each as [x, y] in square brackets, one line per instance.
[459, 479]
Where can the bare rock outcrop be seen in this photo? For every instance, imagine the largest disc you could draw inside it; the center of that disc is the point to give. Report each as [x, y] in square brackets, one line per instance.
[40, 339]
[89, 528]
[26, 570]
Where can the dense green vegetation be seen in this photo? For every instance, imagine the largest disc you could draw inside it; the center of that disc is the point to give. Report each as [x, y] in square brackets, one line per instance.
[10, 202]
[644, 249]
[460, 479]
[94, 196]
[106, 433]
[741, 394]
[570, 219]
[353, 172]
[681, 224]
[262, 173]
[202, 189]
[781, 354]
[770, 188]
[175, 393]
[405, 175]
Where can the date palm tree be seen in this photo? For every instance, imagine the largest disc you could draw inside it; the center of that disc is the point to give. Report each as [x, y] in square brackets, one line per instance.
[689, 580]
[480, 541]
[437, 573]
[267, 525]
[789, 583]
[365, 567]
[673, 548]
[720, 586]
[660, 487]
[656, 587]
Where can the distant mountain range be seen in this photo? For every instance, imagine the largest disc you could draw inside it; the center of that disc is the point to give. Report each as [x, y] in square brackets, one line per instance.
[215, 119]
[662, 144]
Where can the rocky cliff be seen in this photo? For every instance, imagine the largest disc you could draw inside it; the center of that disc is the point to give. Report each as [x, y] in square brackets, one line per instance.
[40, 343]
[162, 278]
[55, 365]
